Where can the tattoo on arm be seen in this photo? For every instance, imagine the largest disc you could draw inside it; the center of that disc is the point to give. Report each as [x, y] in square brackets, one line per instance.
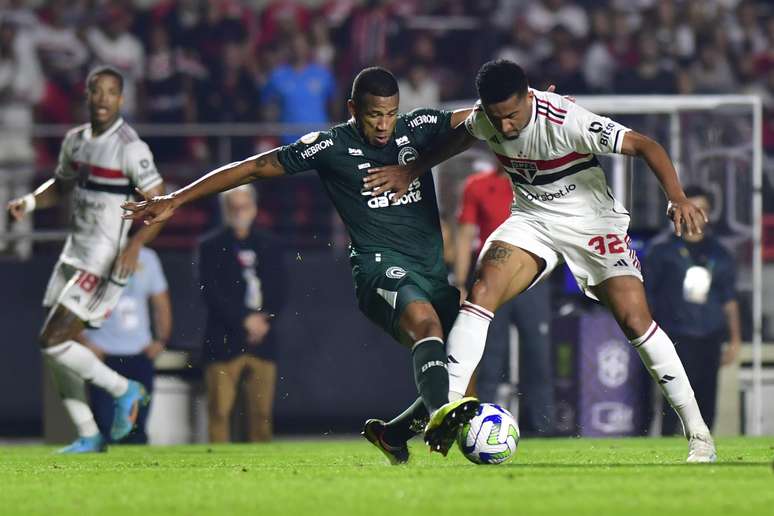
[266, 163]
[267, 160]
[497, 255]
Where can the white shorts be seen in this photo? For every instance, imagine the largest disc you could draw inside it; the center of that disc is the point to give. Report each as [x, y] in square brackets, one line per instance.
[88, 296]
[593, 252]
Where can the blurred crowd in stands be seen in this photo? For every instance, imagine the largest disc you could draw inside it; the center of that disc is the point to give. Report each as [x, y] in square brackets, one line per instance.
[290, 61]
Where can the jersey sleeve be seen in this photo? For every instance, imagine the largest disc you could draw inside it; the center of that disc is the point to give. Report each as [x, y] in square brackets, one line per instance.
[139, 166]
[428, 124]
[592, 133]
[307, 153]
[477, 124]
[468, 205]
[65, 169]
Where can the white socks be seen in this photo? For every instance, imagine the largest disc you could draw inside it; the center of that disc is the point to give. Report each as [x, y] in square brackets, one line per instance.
[660, 357]
[72, 390]
[465, 346]
[82, 417]
[80, 360]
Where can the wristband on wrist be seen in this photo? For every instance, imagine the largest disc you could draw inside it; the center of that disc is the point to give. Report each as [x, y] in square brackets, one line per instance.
[29, 202]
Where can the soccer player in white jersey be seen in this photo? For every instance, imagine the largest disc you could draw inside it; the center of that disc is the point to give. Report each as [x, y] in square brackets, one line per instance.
[563, 210]
[101, 163]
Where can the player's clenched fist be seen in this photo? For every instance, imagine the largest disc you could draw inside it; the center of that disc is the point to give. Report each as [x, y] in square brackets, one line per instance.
[151, 210]
[18, 208]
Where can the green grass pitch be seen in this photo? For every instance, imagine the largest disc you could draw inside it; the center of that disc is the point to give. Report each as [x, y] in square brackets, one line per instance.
[343, 477]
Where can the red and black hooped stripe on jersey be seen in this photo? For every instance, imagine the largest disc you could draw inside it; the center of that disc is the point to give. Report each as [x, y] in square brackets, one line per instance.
[543, 164]
[551, 112]
[550, 178]
[126, 189]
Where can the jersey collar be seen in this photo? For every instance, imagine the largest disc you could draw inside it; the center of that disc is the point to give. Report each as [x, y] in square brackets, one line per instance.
[113, 128]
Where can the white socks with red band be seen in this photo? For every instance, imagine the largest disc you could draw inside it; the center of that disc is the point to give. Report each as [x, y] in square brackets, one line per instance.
[465, 346]
[80, 360]
[658, 353]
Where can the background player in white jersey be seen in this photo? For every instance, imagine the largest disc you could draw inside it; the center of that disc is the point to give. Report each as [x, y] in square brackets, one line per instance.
[100, 163]
[563, 211]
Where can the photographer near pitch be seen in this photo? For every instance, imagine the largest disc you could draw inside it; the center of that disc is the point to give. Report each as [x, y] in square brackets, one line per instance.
[691, 288]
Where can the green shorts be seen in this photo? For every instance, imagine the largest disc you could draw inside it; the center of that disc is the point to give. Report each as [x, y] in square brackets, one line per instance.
[386, 284]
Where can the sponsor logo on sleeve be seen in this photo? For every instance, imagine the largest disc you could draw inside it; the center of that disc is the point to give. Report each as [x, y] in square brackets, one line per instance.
[317, 147]
[607, 131]
[423, 119]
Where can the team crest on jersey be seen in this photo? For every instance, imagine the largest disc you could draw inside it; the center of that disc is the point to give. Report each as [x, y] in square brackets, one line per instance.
[407, 155]
[525, 169]
[310, 138]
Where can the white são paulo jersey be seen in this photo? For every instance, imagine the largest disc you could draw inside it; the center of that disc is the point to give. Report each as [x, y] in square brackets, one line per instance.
[552, 163]
[106, 169]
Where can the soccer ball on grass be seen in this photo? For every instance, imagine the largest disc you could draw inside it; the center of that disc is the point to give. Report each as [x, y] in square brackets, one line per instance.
[491, 437]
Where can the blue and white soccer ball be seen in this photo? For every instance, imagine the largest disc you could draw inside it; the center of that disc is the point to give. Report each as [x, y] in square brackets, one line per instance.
[491, 437]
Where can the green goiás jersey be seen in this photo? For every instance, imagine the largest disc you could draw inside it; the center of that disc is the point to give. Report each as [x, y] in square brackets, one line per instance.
[341, 157]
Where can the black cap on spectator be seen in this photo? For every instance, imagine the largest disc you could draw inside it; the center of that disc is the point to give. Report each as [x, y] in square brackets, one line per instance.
[499, 80]
[105, 70]
[375, 80]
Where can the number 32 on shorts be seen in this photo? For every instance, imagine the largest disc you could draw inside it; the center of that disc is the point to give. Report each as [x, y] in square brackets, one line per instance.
[609, 244]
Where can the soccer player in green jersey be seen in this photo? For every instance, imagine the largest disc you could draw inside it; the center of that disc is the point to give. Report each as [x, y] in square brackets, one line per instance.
[396, 245]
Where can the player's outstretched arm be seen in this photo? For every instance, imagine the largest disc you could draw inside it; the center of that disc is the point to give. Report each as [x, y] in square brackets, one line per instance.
[46, 195]
[160, 208]
[397, 178]
[679, 208]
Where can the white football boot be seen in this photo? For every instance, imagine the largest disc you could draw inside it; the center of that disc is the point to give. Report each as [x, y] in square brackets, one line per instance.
[701, 448]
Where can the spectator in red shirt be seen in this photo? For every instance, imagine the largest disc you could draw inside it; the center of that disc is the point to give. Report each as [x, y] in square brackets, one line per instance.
[486, 203]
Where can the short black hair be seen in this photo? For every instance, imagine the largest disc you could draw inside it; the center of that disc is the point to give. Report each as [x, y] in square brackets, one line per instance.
[697, 191]
[375, 80]
[105, 70]
[499, 80]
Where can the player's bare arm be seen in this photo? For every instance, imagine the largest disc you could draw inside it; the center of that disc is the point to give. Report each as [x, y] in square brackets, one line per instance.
[160, 208]
[46, 195]
[130, 255]
[680, 209]
[161, 309]
[397, 178]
